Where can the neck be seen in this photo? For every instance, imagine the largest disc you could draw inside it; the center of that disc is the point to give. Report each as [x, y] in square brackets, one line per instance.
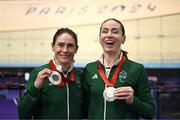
[65, 67]
[110, 58]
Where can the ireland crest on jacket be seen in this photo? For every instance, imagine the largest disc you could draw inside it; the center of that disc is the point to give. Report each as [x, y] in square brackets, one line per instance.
[122, 76]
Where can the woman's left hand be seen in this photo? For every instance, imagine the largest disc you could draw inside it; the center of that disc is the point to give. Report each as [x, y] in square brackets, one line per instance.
[125, 93]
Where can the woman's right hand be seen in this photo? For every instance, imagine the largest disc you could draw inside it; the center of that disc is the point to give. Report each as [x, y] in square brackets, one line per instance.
[41, 77]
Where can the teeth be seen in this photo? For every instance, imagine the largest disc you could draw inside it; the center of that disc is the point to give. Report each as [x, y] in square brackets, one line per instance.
[109, 42]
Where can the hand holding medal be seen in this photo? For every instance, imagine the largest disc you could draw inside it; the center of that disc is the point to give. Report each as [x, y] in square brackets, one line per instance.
[122, 93]
[45, 73]
[53, 76]
[125, 93]
[57, 77]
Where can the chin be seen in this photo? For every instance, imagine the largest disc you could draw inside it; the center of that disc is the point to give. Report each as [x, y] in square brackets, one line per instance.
[109, 50]
[65, 62]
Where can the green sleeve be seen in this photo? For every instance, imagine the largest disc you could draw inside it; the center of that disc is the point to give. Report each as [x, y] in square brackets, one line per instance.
[28, 101]
[143, 102]
[86, 93]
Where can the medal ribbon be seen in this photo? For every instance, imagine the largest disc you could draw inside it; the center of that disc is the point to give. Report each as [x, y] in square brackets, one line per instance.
[64, 79]
[115, 75]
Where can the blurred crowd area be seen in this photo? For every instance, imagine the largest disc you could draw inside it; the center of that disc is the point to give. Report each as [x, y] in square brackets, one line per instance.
[165, 88]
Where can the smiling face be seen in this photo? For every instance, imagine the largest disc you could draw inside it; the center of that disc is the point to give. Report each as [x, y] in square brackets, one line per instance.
[111, 36]
[64, 49]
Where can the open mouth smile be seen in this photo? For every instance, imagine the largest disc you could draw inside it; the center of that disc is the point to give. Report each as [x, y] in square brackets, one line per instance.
[109, 42]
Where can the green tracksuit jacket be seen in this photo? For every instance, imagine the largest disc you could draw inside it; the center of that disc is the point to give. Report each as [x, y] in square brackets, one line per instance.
[132, 74]
[52, 102]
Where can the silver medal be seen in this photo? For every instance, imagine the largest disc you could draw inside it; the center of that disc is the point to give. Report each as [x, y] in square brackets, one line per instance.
[55, 78]
[109, 94]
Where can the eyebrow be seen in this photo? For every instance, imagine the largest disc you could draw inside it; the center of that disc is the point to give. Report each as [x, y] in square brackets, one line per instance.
[110, 29]
[65, 43]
